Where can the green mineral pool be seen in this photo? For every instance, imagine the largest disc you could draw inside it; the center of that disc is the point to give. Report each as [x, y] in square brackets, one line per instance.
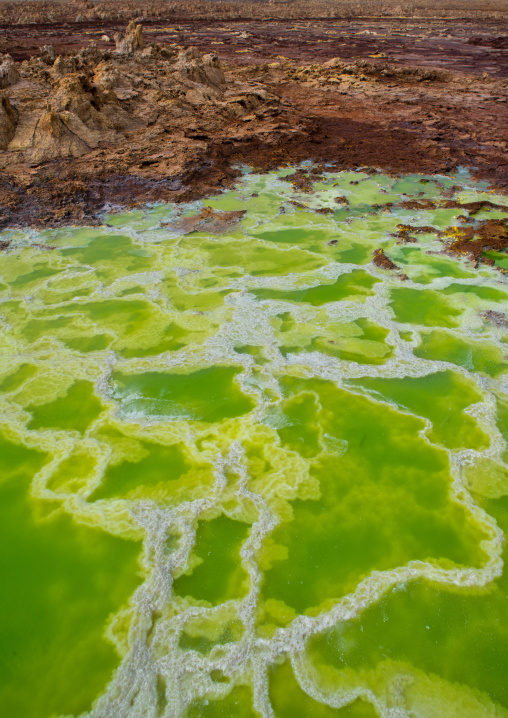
[252, 473]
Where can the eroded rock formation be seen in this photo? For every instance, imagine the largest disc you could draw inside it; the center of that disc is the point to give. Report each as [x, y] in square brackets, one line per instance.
[203, 69]
[9, 74]
[8, 122]
[131, 41]
[57, 135]
[77, 103]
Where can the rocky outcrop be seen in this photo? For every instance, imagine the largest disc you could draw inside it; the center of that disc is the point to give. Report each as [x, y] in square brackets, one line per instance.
[213, 70]
[131, 41]
[63, 66]
[245, 99]
[96, 107]
[83, 61]
[110, 79]
[76, 95]
[157, 112]
[57, 135]
[202, 69]
[48, 54]
[9, 74]
[205, 81]
[8, 122]
[78, 117]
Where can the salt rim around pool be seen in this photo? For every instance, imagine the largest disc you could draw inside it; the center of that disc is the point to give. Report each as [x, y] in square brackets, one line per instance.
[185, 389]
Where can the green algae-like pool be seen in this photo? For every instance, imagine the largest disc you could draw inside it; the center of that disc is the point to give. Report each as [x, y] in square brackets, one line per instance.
[253, 474]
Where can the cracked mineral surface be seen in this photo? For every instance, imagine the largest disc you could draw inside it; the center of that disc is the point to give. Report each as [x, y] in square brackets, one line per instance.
[253, 389]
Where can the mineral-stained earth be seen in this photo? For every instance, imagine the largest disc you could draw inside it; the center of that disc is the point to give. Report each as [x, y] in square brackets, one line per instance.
[95, 111]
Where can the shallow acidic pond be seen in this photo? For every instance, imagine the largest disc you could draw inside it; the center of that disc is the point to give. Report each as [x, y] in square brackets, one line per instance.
[253, 474]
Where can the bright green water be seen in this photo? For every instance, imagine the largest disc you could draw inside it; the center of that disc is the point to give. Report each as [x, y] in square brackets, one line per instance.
[253, 474]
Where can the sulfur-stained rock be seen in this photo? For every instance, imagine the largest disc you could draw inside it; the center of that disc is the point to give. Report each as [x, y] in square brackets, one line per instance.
[63, 66]
[97, 108]
[48, 54]
[213, 70]
[131, 41]
[9, 74]
[8, 122]
[197, 97]
[203, 69]
[92, 54]
[79, 116]
[334, 62]
[109, 78]
[243, 99]
[189, 65]
[75, 94]
[76, 126]
[53, 139]
[190, 53]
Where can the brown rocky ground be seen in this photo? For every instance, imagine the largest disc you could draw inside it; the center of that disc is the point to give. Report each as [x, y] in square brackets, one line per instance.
[87, 120]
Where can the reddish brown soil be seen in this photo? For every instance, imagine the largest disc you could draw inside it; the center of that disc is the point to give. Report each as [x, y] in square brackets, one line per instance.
[207, 221]
[491, 234]
[496, 318]
[430, 95]
[380, 259]
[459, 45]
